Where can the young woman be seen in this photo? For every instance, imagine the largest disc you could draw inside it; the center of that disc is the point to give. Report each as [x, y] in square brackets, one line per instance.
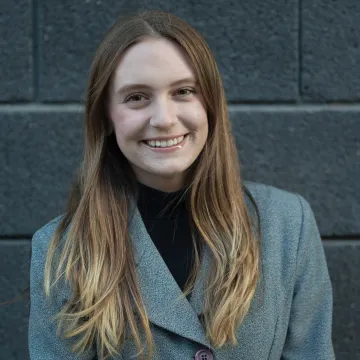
[164, 252]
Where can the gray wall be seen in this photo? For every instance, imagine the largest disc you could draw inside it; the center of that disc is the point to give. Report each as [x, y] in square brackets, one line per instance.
[292, 75]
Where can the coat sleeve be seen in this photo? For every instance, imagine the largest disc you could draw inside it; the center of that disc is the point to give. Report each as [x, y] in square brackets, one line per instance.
[44, 344]
[310, 326]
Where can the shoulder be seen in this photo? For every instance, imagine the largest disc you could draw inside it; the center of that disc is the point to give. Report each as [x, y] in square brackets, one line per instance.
[39, 251]
[285, 218]
[42, 237]
[268, 196]
[278, 207]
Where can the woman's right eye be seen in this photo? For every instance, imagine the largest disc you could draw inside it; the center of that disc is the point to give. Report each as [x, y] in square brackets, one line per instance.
[134, 98]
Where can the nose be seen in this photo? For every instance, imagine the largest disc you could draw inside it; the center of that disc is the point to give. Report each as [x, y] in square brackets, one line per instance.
[164, 115]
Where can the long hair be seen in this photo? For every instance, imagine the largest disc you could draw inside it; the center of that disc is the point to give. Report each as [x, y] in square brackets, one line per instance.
[96, 255]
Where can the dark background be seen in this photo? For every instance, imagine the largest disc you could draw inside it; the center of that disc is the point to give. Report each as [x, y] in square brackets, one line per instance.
[291, 69]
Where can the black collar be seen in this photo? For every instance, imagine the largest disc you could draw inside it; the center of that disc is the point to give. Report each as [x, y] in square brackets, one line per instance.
[156, 204]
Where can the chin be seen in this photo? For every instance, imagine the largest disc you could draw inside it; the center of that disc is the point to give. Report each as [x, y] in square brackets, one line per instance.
[170, 169]
[170, 173]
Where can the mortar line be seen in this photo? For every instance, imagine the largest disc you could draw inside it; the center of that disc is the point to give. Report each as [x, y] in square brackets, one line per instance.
[300, 55]
[36, 48]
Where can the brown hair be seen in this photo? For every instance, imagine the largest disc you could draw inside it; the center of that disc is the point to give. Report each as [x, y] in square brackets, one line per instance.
[102, 271]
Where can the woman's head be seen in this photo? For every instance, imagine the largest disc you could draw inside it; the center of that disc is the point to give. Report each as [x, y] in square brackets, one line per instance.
[154, 78]
[156, 109]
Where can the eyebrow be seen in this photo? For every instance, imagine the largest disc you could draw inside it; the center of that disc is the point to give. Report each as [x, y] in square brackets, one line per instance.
[129, 87]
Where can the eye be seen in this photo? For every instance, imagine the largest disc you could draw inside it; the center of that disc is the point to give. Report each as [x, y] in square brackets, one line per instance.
[185, 91]
[134, 98]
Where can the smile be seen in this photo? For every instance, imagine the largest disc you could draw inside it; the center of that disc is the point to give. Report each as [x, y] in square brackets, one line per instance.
[165, 143]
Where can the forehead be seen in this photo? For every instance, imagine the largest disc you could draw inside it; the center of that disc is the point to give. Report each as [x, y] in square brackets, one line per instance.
[153, 60]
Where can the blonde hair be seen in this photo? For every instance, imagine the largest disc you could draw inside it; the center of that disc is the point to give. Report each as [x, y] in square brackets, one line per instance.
[96, 256]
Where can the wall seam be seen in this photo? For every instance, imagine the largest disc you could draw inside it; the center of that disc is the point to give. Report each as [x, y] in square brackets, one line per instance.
[300, 55]
[36, 50]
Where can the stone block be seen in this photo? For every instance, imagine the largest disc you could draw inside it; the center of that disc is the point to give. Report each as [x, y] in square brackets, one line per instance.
[39, 153]
[330, 50]
[16, 55]
[14, 314]
[343, 260]
[315, 152]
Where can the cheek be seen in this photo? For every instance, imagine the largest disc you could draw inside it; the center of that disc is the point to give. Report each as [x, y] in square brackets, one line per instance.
[194, 116]
[127, 124]
[200, 120]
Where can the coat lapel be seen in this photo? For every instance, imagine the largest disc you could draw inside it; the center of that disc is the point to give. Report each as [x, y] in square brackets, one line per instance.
[164, 301]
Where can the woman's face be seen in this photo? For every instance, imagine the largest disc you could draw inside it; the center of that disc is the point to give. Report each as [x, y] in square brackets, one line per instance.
[158, 113]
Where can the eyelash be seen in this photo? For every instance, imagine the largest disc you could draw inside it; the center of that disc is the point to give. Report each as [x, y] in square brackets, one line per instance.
[191, 91]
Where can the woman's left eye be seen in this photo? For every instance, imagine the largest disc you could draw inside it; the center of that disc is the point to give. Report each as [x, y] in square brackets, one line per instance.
[185, 91]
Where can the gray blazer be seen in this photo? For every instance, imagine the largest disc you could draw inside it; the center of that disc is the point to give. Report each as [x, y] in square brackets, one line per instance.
[290, 317]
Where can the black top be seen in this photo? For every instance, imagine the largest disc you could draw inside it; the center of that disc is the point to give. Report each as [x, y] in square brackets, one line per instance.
[166, 219]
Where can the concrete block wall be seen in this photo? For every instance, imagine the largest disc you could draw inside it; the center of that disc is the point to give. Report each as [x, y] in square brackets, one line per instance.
[291, 70]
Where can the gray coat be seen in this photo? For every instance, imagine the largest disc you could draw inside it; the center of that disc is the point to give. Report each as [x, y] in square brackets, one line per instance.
[290, 317]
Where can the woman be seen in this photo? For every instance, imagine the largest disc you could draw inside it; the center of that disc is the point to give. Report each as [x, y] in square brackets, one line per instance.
[164, 252]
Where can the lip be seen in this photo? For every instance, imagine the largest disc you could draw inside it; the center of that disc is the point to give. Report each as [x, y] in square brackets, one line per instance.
[165, 138]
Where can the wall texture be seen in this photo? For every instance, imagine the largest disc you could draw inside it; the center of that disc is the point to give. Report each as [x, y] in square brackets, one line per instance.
[291, 70]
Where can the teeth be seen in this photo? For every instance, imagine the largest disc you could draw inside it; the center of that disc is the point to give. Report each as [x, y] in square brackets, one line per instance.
[165, 143]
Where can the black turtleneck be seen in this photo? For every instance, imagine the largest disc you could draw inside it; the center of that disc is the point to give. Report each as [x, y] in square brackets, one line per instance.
[166, 219]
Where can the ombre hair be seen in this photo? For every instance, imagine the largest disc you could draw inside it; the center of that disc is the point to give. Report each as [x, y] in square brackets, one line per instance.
[95, 255]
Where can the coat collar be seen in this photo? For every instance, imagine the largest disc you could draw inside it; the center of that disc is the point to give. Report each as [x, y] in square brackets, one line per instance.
[164, 301]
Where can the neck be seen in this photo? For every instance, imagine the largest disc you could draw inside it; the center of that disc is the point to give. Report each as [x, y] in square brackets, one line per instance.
[167, 185]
